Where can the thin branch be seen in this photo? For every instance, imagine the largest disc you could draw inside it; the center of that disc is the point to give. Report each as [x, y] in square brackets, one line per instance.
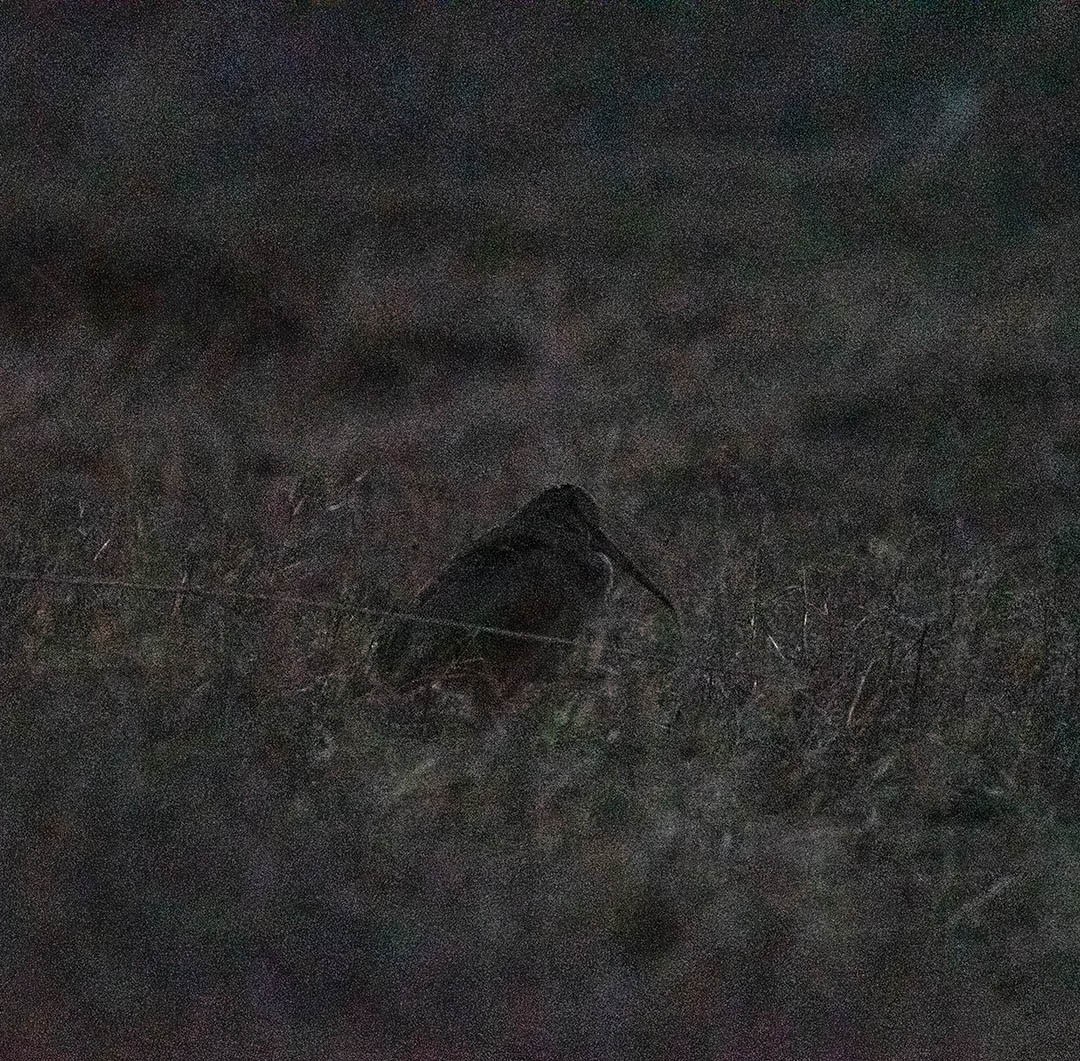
[858, 692]
[240, 596]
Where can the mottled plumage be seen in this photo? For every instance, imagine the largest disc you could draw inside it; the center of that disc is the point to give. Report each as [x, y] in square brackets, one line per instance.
[543, 572]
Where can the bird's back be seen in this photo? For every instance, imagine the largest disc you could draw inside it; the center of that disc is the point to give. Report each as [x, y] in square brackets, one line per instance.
[512, 584]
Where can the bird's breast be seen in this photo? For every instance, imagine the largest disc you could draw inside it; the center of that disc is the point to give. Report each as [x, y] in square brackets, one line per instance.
[600, 574]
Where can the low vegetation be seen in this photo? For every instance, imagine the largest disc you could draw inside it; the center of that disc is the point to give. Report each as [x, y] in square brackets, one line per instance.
[829, 387]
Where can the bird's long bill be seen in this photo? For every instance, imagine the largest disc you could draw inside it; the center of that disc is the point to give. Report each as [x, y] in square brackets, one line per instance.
[616, 554]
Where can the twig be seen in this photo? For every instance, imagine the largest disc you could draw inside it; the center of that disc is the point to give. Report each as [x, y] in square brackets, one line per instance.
[858, 692]
[914, 700]
[973, 906]
[277, 599]
[776, 647]
[806, 612]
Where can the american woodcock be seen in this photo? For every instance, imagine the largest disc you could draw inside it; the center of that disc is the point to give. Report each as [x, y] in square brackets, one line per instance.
[544, 574]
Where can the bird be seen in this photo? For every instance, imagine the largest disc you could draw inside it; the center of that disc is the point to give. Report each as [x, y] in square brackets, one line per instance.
[506, 611]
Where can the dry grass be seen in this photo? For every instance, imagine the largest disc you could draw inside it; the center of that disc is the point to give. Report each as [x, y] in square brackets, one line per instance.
[829, 386]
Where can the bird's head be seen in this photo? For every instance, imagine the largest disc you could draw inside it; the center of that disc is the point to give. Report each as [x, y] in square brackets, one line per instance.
[573, 508]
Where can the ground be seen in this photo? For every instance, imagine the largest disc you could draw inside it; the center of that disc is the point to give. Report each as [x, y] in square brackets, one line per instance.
[297, 305]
